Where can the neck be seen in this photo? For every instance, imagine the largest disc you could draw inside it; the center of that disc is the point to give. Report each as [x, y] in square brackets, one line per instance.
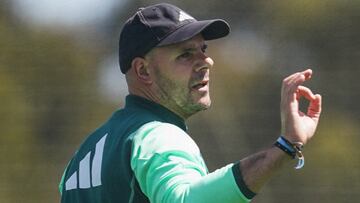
[149, 95]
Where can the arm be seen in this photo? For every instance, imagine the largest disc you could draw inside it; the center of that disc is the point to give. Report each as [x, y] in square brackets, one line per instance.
[296, 127]
[169, 168]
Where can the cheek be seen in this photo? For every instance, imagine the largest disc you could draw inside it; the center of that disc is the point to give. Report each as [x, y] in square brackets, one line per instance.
[174, 83]
[175, 76]
[181, 75]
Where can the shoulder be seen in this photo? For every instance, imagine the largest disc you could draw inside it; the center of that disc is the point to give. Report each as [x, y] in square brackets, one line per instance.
[158, 137]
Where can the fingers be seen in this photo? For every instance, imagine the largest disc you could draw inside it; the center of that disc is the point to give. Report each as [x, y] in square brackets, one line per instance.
[307, 73]
[305, 92]
[314, 109]
[290, 86]
[291, 83]
[296, 124]
[299, 77]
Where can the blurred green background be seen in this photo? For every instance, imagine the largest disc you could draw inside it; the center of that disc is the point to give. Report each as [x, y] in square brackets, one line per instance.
[59, 80]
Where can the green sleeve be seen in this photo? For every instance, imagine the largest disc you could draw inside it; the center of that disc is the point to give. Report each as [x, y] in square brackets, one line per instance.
[169, 168]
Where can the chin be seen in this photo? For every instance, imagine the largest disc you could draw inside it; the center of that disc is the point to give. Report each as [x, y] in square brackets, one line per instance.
[205, 103]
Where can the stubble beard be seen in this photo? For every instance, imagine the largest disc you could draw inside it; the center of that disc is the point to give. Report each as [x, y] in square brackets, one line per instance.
[179, 98]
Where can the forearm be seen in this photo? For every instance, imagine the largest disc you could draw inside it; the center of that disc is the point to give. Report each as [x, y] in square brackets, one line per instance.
[258, 168]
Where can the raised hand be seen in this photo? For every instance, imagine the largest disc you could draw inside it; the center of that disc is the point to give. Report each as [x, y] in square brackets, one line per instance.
[297, 126]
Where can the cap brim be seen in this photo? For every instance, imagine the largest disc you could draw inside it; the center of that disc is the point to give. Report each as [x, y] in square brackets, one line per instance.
[210, 29]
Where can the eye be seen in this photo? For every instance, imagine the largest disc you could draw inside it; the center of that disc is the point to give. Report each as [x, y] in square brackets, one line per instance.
[204, 47]
[185, 55]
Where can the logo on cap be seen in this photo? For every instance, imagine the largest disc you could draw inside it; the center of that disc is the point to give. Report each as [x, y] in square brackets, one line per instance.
[184, 16]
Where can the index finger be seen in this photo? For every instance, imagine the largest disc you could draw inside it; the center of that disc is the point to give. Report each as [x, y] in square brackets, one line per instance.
[305, 92]
[306, 73]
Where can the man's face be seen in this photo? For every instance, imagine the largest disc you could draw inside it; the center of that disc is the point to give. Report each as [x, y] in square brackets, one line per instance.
[181, 76]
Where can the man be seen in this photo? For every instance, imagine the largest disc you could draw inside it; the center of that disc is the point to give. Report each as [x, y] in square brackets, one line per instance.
[143, 153]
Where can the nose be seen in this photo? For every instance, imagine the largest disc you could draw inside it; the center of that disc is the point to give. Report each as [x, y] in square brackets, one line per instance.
[209, 61]
[204, 62]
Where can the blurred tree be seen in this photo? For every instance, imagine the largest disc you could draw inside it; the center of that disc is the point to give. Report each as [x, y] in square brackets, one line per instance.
[50, 99]
[48, 86]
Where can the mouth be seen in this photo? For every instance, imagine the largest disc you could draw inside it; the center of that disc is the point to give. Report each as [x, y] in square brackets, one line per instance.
[200, 85]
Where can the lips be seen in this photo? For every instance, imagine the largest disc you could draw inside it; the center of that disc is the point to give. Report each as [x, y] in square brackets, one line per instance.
[201, 84]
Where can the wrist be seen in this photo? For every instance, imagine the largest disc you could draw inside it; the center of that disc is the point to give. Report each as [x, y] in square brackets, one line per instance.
[293, 140]
[285, 146]
[293, 149]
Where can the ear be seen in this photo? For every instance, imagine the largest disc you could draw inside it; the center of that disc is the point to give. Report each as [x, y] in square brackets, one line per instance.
[140, 66]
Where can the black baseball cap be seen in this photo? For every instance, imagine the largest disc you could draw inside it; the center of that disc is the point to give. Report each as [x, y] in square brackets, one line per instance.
[160, 25]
